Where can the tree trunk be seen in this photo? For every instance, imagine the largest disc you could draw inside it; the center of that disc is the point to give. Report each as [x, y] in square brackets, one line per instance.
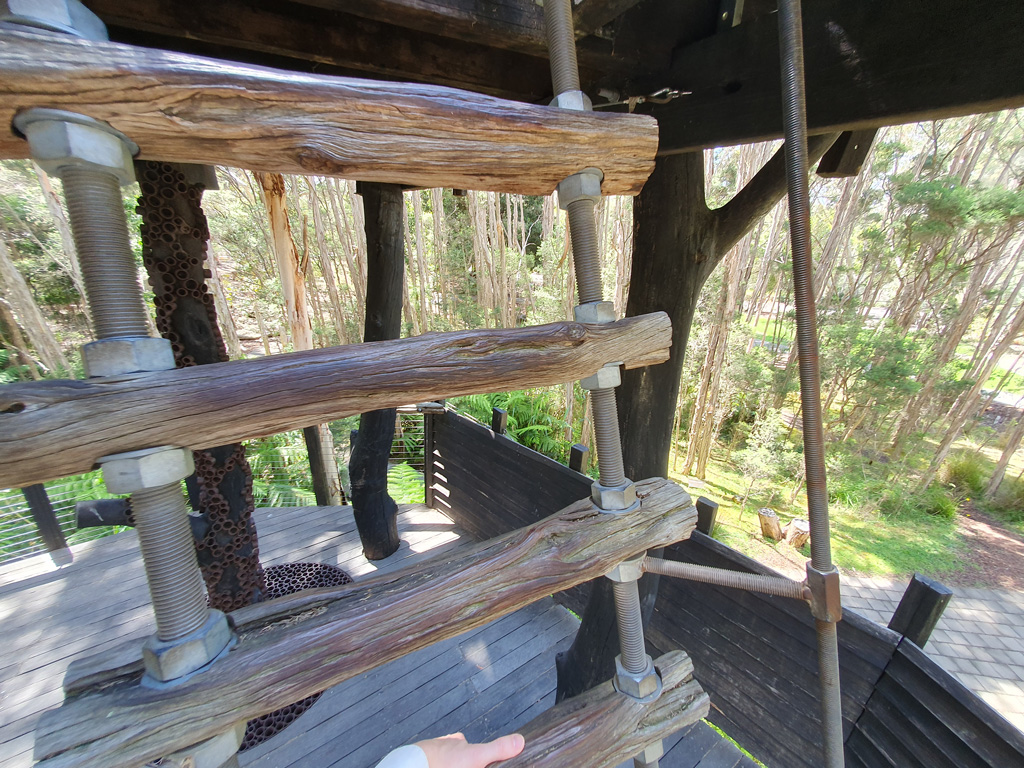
[226, 540]
[1011, 448]
[770, 527]
[32, 320]
[375, 511]
[677, 242]
[293, 286]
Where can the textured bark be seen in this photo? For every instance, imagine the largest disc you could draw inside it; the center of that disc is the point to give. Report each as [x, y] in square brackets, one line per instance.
[186, 108]
[293, 287]
[298, 645]
[376, 513]
[175, 239]
[218, 404]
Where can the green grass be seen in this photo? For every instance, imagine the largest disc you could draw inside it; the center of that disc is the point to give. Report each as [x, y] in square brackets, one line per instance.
[1013, 385]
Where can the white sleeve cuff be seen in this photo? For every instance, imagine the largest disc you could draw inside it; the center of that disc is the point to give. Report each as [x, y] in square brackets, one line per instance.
[409, 756]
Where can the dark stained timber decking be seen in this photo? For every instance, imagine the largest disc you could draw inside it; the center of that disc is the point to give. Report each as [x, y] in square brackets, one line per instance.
[297, 645]
[50, 429]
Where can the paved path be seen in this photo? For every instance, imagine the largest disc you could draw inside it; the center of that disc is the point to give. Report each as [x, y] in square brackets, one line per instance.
[980, 638]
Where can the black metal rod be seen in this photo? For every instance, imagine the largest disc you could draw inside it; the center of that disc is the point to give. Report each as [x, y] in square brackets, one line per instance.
[795, 120]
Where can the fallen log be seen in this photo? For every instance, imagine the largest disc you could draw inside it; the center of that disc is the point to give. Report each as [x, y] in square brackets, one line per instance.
[50, 429]
[604, 727]
[190, 109]
[294, 646]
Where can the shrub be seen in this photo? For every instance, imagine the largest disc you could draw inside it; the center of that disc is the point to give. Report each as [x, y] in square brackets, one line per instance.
[1009, 501]
[964, 471]
[935, 501]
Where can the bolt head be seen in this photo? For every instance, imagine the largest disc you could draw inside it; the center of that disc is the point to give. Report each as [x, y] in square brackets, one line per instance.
[628, 570]
[585, 185]
[170, 660]
[116, 357]
[577, 101]
[645, 686]
[650, 754]
[615, 498]
[67, 16]
[212, 753]
[149, 468]
[60, 140]
[607, 377]
[596, 312]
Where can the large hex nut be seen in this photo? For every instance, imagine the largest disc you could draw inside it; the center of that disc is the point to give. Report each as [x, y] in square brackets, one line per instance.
[148, 468]
[597, 312]
[645, 686]
[615, 498]
[585, 185]
[650, 755]
[60, 140]
[174, 660]
[607, 377]
[212, 753]
[116, 357]
[577, 101]
[628, 570]
[67, 16]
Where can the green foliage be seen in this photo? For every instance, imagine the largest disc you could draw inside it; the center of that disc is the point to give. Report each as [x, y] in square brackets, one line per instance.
[533, 418]
[281, 475]
[1008, 503]
[405, 484]
[9, 371]
[964, 472]
[900, 502]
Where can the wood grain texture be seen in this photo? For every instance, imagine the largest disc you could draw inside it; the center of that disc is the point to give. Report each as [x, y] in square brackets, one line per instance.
[304, 643]
[191, 109]
[49, 429]
[603, 727]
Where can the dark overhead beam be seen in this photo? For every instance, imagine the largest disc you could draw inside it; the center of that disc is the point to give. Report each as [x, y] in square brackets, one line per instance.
[591, 15]
[271, 33]
[868, 63]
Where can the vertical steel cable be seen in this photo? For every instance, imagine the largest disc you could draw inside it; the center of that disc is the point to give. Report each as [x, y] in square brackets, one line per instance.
[795, 118]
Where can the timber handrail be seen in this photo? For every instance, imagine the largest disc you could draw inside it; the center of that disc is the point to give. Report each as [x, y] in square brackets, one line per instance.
[50, 429]
[183, 108]
[294, 646]
[604, 727]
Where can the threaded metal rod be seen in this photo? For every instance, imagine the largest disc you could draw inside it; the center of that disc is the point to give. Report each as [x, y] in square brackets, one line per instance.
[831, 702]
[565, 72]
[169, 557]
[631, 626]
[585, 254]
[606, 435]
[108, 267]
[752, 582]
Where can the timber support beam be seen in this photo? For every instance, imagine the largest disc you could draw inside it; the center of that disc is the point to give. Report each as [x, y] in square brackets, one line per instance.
[294, 646]
[182, 108]
[50, 429]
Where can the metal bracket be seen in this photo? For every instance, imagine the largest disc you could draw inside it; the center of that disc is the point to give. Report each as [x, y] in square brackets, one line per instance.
[826, 601]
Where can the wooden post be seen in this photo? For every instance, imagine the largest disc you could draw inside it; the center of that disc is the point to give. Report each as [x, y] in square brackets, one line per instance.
[46, 523]
[428, 457]
[770, 526]
[293, 287]
[920, 609]
[376, 513]
[707, 514]
[311, 436]
[579, 458]
[499, 421]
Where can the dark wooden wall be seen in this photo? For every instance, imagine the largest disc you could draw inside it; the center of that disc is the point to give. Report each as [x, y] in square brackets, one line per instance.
[755, 655]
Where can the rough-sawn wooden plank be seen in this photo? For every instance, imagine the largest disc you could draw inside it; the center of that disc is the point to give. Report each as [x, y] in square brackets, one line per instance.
[295, 646]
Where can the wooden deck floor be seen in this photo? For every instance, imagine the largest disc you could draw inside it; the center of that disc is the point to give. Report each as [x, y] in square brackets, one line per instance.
[483, 683]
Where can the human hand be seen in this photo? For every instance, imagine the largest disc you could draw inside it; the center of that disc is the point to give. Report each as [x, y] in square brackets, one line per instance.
[453, 751]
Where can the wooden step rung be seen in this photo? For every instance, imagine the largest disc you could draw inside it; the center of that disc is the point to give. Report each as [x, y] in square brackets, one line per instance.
[50, 429]
[189, 109]
[295, 646]
[602, 727]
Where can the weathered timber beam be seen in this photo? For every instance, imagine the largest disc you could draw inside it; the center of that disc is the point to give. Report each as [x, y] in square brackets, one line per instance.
[604, 727]
[297, 645]
[868, 64]
[347, 44]
[50, 429]
[183, 108]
